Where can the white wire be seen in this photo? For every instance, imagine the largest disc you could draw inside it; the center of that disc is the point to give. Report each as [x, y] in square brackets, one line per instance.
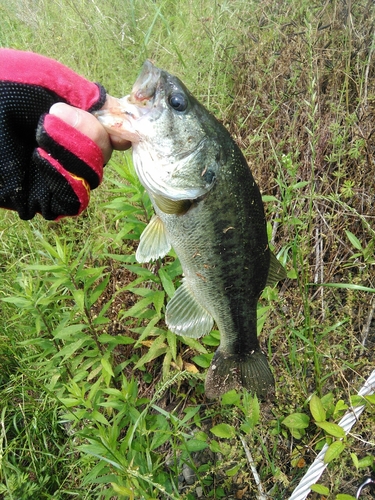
[261, 495]
[317, 467]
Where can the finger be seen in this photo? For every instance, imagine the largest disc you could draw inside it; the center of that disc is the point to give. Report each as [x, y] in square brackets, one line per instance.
[86, 123]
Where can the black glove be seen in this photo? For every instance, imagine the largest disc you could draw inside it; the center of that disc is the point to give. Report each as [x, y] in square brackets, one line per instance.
[46, 166]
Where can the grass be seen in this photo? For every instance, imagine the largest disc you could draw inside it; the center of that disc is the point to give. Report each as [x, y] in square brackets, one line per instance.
[99, 400]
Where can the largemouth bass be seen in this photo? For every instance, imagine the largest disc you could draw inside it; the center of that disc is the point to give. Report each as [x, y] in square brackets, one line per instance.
[209, 209]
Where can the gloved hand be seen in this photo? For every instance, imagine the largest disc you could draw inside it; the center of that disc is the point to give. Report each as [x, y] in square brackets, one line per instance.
[46, 165]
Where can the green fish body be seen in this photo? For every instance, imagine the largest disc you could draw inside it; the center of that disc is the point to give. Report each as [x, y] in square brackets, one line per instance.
[209, 209]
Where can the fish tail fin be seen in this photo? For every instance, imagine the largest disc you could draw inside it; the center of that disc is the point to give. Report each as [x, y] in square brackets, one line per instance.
[234, 371]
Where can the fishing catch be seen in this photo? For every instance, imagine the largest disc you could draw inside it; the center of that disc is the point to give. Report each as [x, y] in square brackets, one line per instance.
[209, 209]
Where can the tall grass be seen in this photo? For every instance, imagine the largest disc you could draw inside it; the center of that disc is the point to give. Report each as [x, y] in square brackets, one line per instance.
[99, 400]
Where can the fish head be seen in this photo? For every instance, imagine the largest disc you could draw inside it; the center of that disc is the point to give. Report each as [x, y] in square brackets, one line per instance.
[177, 147]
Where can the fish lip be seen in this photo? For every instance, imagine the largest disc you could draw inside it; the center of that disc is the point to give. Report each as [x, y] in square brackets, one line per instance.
[145, 87]
[129, 110]
[121, 117]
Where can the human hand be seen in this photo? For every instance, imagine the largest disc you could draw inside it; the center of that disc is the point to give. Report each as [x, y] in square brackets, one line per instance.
[49, 162]
[89, 126]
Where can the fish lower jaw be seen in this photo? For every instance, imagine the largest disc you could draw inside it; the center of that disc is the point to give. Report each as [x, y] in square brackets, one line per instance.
[239, 371]
[118, 125]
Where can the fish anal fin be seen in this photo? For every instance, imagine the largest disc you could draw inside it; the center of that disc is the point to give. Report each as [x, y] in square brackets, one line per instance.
[185, 316]
[234, 371]
[154, 242]
[276, 271]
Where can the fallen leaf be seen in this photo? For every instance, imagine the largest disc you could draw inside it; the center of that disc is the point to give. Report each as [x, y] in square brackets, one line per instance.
[189, 367]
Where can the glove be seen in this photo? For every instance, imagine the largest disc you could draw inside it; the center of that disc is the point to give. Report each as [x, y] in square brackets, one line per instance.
[46, 165]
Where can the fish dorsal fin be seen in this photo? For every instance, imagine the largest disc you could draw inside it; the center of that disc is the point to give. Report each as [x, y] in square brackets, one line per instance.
[154, 242]
[185, 316]
[276, 271]
[168, 206]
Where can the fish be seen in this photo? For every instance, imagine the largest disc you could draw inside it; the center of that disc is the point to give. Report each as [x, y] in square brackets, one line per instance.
[209, 209]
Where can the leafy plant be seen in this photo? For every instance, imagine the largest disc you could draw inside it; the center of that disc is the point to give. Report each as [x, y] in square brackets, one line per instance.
[335, 437]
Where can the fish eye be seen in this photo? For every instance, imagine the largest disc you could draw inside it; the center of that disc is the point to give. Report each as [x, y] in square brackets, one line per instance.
[178, 101]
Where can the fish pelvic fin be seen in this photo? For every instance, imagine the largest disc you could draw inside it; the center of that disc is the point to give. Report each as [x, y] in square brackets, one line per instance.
[234, 371]
[276, 271]
[185, 315]
[154, 243]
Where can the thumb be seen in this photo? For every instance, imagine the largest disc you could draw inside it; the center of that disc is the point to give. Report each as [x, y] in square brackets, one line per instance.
[85, 123]
[68, 114]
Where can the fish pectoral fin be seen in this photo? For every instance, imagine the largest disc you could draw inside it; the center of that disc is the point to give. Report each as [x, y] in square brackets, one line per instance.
[185, 316]
[168, 206]
[276, 271]
[154, 242]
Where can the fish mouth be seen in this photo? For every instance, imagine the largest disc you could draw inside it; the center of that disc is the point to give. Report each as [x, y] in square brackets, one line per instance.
[144, 88]
[119, 118]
